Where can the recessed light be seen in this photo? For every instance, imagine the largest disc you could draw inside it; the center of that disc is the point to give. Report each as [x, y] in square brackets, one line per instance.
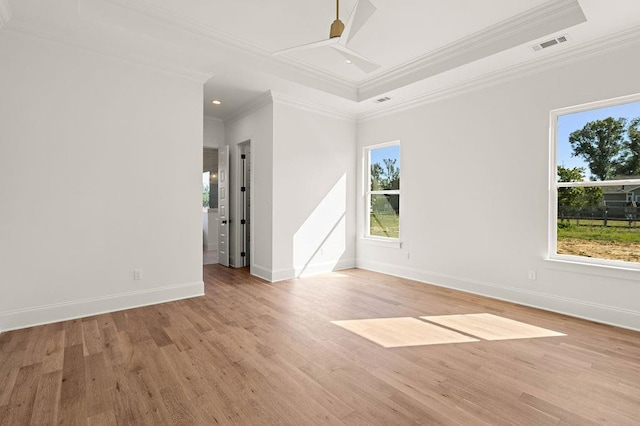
[348, 61]
[216, 102]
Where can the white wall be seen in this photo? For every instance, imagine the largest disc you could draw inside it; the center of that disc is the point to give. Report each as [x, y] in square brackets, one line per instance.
[303, 189]
[314, 222]
[100, 174]
[255, 126]
[475, 192]
[213, 132]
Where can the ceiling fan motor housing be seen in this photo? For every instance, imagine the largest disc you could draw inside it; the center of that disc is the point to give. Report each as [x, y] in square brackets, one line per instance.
[336, 29]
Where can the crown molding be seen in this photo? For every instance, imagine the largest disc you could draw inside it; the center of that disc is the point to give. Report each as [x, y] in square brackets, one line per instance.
[279, 98]
[50, 34]
[5, 13]
[250, 107]
[274, 64]
[537, 22]
[269, 97]
[555, 15]
[580, 53]
[548, 18]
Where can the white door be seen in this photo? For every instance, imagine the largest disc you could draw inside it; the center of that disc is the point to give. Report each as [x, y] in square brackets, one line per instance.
[223, 206]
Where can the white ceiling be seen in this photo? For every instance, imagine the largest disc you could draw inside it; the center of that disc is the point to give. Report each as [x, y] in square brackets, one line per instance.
[400, 30]
[424, 47]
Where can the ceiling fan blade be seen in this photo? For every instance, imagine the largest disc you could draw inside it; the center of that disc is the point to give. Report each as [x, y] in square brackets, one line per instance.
[315, 44]
[360, 61]
[359, 16]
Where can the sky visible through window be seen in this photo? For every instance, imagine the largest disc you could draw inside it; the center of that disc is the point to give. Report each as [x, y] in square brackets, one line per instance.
[392, 152]
[571, 122]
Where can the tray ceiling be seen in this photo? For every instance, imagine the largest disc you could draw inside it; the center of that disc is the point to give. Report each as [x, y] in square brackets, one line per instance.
[423, 47]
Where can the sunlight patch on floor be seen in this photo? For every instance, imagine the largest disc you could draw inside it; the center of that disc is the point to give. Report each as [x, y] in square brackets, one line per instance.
[442, 329]
[491, 327]
[400, 332]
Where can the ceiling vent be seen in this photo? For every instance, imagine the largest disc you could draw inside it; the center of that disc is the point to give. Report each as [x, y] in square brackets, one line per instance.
[381, 100]
[549, 43]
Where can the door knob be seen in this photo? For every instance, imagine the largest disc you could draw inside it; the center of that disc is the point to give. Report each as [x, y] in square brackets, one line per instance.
[224, 222]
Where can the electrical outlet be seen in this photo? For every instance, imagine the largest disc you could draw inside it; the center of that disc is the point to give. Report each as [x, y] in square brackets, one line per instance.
[137, 274]
[532, 275]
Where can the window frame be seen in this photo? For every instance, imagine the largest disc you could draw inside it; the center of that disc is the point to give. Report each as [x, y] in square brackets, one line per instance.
[554, 185]
[368, 193]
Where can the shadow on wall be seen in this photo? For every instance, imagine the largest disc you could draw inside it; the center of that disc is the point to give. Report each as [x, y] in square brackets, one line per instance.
[321, 240]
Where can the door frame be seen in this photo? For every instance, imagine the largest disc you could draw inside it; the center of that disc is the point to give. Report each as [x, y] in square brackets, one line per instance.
[237, 204]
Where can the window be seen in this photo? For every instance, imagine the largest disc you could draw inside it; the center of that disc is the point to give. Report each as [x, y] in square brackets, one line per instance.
[209, 190]
[206, 189]
[383, 191]
[595, 182]
[210, 181]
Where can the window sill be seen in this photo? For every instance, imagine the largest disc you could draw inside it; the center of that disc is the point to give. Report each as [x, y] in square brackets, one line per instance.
[382, 242]
[577, 266]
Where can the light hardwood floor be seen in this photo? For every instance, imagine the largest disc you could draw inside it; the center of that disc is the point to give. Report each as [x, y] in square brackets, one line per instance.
[255, 353]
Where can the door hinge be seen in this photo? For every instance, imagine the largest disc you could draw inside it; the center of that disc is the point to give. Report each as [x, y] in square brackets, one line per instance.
[243, 189]
[243, 156]
[243, 254]
[243, 222]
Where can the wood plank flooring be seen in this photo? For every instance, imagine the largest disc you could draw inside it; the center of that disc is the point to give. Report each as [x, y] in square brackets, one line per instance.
[254, 353]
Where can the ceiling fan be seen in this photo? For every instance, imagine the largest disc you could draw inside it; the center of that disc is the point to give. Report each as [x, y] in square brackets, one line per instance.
[340, 35]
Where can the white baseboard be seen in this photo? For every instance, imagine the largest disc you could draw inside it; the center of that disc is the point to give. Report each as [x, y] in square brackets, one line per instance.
[261, 272]
[29, 317]
[282, 275]
[576, 308]
[271, 275]
[291, 273]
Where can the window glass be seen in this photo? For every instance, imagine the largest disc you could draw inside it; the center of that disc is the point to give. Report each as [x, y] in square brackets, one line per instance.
[385, 216]
[597, 183]
[385, 168]
[206, 189]
[383, 194]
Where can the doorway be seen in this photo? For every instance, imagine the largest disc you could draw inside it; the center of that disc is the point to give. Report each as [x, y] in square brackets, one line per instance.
[209, 206]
